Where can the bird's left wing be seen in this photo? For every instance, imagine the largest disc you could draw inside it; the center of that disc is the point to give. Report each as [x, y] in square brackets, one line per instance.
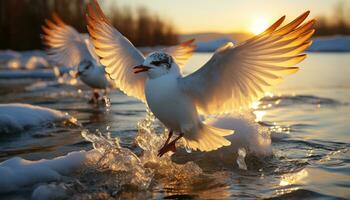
[66, 45]
[181, 52]
[237, 76]
[117, 53]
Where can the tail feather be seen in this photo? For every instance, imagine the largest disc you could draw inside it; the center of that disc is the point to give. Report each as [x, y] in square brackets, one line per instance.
[209, 138]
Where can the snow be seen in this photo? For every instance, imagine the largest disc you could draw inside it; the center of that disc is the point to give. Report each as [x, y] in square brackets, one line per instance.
[39, 73]
[212, 45]
[17, 117]
[50, 191]
[337, 43]
[17, 172]
[331, 44]
[34, 59]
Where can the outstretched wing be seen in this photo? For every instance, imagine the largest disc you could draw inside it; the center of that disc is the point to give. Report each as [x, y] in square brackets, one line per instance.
[237, 76]
[181, 52]
[116, 53]
[66, 45]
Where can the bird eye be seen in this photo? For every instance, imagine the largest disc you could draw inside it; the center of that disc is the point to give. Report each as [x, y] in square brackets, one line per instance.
[156, 63]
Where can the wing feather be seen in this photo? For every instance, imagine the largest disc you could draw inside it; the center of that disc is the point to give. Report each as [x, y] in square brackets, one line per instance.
[236, 76]
[116, 52]
[182, 52]
[119, 55]
[66, 46]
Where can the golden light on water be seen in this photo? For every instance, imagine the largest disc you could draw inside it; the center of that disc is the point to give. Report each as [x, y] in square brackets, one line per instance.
[293, 178]
[290, 182]
[255, 105]
[259, 115]
[259, 25]
[14, 64]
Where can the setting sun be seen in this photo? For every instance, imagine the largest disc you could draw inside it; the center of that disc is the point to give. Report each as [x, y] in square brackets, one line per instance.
[259, 25]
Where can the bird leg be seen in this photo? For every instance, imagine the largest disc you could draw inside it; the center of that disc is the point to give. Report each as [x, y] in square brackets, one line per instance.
[169, 146]
[104, 96]
[94, 98]
[168, 139]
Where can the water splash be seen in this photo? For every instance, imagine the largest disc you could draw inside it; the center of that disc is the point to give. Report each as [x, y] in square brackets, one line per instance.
[118, 161]
[130, 170]
[188, 150]
[107, 102]
[150, 143]
[240, 159]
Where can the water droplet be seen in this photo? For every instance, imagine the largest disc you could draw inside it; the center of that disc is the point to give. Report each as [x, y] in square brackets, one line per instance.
[107, 103]
[188, 150]
[240, 159]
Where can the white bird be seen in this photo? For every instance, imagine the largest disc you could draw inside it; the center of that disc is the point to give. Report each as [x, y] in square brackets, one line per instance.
[72, 49]
[232, 79]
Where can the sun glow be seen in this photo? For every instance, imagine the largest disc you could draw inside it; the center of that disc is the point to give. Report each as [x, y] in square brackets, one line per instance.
[259, 25]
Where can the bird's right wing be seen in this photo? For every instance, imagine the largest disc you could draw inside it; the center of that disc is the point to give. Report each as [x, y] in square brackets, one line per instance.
[66, 45]
[117, 53]
[235, 77]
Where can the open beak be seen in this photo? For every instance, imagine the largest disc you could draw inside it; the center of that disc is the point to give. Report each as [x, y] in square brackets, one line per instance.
[141, 68]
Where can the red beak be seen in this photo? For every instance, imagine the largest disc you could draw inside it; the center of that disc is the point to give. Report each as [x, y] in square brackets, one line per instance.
[141, 68]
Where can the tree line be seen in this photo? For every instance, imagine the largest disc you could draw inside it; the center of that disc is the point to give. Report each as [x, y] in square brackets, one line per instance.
[336, 24]
[21, 21]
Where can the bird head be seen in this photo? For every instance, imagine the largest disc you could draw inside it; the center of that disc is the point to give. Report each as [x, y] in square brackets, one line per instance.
[158, 64]
[84, 67]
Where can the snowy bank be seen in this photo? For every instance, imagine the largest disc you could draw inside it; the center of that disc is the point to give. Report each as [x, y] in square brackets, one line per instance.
[212, 45]
[331, 44]
[18, 173]
[17, 117]
[39, 73]
[320, 44]
[34, 59]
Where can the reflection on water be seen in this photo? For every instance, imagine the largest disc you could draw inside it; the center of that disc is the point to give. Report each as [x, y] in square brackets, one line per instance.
[307, 116]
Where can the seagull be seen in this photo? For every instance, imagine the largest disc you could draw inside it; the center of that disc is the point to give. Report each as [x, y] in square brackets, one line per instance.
[72, 49]
[232, 79]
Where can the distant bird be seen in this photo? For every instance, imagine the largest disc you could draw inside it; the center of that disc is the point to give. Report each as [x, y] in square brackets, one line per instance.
[232, 79]
[72, 49]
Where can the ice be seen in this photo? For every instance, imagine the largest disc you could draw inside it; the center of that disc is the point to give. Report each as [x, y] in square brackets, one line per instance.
[16, 117]
[107, 170]
[50, 191]
[17, 172]
[110, 169]
[24, 60]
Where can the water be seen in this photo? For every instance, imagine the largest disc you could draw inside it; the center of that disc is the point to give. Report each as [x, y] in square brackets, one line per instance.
[307, 116]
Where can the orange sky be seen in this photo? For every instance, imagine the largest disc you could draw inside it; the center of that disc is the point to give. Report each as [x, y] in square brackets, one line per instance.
[191, 16]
